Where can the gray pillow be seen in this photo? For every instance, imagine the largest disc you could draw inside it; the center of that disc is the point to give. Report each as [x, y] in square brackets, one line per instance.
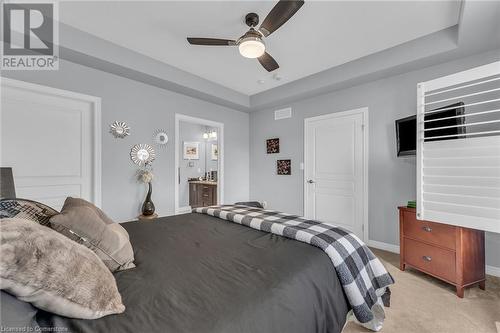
[255, 204]
[53, 273]
[70, 203]
[88, 225]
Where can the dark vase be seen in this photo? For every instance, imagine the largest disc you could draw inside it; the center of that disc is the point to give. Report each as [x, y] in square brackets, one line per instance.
[148, 207]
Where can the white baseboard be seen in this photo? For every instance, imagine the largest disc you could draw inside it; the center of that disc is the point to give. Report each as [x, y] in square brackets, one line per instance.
[183, 210]
[490, 270]
[493, 270]
[384, 246]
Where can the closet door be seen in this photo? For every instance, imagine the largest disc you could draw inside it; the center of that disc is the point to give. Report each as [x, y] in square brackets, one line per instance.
[51, 139]
[335, 169]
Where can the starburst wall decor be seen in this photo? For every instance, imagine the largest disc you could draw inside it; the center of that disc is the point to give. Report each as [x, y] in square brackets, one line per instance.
[119, 129]
[160, 137]
[142, 154]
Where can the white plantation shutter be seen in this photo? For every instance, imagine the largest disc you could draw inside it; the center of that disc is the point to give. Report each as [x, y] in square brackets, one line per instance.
[458, 149]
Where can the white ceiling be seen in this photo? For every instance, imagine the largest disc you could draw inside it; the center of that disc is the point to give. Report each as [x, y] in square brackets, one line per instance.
[323, 34]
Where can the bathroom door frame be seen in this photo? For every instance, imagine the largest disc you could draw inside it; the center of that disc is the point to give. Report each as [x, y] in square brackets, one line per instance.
[220, 161]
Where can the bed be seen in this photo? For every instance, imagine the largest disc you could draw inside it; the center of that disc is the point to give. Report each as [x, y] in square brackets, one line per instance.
[199, 273]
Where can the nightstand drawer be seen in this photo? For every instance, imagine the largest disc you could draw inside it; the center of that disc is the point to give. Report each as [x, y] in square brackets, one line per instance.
[435, 233]
[430, 259]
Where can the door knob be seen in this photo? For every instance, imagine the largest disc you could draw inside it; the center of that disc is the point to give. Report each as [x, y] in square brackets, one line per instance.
[310, 181]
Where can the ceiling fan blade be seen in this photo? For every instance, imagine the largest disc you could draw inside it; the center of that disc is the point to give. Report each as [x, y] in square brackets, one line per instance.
[268, 62]
[278, 16]
[211, 41]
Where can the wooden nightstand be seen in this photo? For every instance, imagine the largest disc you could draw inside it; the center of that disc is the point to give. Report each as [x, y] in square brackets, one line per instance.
[451, 253]
[147, 217]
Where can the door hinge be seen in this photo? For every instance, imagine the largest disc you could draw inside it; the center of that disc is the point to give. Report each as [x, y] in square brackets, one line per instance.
[363, 127]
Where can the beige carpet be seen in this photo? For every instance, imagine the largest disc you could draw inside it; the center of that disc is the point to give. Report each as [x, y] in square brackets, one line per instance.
[421, 304]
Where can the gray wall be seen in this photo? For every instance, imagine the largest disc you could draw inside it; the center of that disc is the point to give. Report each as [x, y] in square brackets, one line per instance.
[146, 108]
[391, 180]
[194, 133]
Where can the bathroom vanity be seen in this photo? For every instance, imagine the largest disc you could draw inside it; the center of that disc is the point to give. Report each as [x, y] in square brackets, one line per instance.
[202, 193]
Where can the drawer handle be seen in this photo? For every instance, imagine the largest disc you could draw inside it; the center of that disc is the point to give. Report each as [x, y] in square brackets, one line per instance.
[427, 229]
[205, 195]
[427, 258]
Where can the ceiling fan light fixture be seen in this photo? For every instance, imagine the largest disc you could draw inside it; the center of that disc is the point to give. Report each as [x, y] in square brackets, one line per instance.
[251, 47]
[251, 44]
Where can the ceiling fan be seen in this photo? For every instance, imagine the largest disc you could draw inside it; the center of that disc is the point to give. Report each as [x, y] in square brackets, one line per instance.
[251, 44]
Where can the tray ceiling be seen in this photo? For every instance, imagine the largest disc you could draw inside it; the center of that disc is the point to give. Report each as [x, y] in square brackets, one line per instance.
[322, 35]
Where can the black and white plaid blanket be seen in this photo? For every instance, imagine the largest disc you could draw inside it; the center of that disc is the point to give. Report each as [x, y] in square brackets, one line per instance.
[363, 277]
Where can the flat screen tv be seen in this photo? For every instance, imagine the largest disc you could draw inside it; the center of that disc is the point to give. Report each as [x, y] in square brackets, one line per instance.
[406, 128]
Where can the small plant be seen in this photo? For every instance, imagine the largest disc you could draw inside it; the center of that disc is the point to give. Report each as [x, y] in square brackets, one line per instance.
[145, 175]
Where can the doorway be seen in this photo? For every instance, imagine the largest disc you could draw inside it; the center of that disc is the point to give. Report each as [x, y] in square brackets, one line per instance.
[199, 163]
[336, 170]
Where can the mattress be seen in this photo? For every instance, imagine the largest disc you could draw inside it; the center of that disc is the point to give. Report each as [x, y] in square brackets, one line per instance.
[198, 273]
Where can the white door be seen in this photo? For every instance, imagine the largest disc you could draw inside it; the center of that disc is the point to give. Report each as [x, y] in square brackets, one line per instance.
[335, 169]
[51, 139]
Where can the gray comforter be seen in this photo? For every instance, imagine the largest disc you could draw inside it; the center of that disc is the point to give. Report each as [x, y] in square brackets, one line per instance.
[197, 273]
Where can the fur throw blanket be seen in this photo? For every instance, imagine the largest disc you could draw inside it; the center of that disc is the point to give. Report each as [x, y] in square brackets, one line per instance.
[40, 266]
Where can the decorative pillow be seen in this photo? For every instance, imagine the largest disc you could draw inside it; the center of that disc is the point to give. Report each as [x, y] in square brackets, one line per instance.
[88, 225]
[255, 204]
[53, 273]
[70, 203]
[26, 209]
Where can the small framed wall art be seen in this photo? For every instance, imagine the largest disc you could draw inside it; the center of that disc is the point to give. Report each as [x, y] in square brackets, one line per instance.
[284, 167]
[191, 150]
[273, 146]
